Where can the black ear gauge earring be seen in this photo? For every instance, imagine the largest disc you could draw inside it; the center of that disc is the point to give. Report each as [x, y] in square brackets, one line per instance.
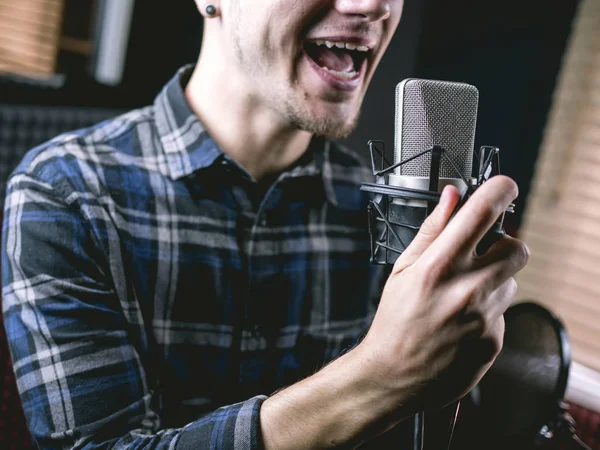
[211, 10]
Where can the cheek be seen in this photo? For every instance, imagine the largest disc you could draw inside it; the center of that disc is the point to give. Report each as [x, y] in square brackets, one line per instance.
[271, 45]
[397, 7]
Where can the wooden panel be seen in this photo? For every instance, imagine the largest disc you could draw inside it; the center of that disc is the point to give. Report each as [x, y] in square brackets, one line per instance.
[29, 35]
[562, 220]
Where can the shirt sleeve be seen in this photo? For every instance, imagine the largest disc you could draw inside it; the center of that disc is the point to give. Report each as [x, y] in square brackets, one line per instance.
[83, 379]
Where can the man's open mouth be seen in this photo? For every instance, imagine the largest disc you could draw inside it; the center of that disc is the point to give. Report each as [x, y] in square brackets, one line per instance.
[341, 59]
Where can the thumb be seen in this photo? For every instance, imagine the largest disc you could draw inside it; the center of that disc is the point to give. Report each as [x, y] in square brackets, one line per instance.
[431, 228]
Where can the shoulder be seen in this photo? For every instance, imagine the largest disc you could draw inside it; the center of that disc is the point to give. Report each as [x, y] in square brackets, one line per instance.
[82, 157]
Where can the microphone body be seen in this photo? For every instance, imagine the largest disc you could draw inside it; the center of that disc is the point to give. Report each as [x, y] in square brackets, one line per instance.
[430, 113]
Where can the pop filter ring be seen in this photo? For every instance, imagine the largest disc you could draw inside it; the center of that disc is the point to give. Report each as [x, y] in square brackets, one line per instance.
[550, 426]
[564, 342]
[550, 422]
[553, 421]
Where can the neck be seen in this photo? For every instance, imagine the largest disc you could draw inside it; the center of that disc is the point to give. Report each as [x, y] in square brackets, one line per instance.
[248, 131]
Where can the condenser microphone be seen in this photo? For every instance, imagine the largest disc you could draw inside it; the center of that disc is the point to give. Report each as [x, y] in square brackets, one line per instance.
[434, 146]
[434, 113]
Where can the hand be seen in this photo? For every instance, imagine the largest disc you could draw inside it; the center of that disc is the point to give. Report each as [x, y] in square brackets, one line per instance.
[439, 325]
[438, 328]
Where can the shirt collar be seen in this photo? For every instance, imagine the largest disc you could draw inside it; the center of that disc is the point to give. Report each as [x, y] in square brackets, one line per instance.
[186, 144]
[188, 147]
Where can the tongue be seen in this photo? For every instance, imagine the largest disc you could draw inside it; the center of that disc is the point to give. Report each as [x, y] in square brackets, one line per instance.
[340, 61]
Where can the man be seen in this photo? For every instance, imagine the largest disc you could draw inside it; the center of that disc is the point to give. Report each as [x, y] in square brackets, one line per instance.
[165, 271]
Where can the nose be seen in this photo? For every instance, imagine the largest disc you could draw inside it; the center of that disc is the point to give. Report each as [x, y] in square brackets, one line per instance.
[370, 10]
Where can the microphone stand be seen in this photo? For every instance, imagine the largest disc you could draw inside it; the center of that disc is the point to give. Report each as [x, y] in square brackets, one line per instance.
[560, 432]
[419, 431]
[444, 423]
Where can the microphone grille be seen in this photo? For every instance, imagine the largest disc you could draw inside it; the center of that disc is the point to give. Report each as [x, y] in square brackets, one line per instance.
[432, 113]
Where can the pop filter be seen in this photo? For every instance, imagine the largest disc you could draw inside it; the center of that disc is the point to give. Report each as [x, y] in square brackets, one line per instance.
[521, 391]
[520, 397]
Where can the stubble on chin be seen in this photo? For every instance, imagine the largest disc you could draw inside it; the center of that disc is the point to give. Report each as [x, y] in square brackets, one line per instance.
[327, 127]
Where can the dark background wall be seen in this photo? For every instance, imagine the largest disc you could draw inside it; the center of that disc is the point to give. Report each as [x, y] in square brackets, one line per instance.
[510, 49]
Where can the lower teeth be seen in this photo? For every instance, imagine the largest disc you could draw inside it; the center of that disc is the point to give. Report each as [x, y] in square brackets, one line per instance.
[342, 74]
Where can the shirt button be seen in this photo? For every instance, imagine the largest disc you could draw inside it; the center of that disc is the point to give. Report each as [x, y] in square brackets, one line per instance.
[226, 166]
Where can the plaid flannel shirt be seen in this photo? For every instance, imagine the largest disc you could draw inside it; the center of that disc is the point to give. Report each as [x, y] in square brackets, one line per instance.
[152, 300]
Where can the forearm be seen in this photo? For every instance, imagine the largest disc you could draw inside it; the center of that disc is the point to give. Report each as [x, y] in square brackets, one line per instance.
[340, 406]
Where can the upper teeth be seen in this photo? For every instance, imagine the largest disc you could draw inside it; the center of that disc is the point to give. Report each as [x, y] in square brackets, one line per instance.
[347, 45]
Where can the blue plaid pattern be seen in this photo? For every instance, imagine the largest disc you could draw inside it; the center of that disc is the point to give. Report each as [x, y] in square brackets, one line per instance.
[153, 297]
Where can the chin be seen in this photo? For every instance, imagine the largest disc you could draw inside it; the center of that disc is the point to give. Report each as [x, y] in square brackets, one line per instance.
[328, 123]
[337, 127]
[330, 128]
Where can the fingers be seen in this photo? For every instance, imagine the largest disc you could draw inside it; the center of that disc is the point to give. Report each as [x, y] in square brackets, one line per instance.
[430, 229]
[503, 265]
[481, 352]
[506, 248]
[485, 292]
[473, 220]
[495, 304]
[475, 306]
